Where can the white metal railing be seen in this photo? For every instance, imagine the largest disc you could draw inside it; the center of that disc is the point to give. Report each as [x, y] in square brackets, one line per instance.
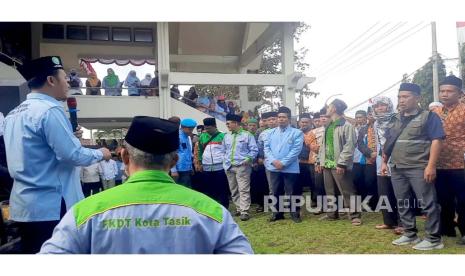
[176, 96]
[14, 60]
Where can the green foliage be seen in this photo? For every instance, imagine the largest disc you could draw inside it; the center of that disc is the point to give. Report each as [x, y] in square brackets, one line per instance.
[424, 78]
[270, 64]
[230, 92]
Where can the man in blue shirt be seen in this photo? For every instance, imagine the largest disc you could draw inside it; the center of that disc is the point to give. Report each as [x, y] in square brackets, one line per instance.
[150, 213]
[182, 172]
[43, 154]
[282, 149]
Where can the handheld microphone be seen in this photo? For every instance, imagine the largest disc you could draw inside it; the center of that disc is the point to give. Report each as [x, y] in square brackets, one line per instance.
[72, 109]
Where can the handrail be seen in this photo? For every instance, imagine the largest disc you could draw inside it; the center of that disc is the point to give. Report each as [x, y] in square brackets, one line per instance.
[178, 97]
[14, 60]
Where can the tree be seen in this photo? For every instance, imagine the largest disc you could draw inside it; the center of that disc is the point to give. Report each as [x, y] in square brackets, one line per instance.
[424, 78]
[270, 64]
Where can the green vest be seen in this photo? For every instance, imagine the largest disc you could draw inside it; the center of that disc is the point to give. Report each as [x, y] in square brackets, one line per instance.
[412, 148]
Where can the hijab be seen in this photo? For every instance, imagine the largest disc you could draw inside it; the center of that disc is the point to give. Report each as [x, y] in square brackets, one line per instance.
[93, 80]
[112, 79]
[74, 79]
[383, 121]
[146, 81]
[132, 79]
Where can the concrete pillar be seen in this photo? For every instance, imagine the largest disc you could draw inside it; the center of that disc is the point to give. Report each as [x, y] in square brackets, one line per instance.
[163, 54]
[288, 67]
[243, 93]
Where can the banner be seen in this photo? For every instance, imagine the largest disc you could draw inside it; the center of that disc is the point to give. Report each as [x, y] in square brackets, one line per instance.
[86, 66]
[460, 32]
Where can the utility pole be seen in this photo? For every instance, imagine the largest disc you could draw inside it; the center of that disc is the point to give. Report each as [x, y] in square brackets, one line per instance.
[435, 63]
[460, 60]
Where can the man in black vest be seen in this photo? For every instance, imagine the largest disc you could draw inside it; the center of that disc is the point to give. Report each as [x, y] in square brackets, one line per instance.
[413, 146]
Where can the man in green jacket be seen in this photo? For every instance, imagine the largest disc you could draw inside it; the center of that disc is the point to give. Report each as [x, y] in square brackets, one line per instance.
[149, 213]
[335, 159]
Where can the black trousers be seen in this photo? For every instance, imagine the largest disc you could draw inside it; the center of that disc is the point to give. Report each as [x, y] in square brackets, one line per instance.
[386, 190]
[91, 188]
[258, 186]
[450, 187]
[216, 186]
[318, 180]
[185, 179]
[305, 180]
[365, 182]
[197, 181]
[35, 233]
[285, 184]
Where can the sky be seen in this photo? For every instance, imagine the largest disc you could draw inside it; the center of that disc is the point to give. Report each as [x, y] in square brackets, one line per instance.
[343, 56]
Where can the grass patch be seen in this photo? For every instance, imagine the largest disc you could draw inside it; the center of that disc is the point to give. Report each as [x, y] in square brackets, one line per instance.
[330, 237]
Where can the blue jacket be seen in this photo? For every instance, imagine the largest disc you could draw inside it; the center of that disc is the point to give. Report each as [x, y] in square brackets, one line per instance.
[283, 145]
[239, 147]
[43, 157]
[148, 214]
[185, 154]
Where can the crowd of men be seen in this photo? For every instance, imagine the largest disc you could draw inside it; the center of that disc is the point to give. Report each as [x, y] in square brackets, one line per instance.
[406, 157]
[410, 157]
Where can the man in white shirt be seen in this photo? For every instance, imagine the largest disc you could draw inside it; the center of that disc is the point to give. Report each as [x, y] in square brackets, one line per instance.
[90, 178]
[109, 170]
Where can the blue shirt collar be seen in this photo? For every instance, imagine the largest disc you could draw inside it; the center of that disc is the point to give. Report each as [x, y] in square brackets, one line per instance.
[284, 129]
[41, 96]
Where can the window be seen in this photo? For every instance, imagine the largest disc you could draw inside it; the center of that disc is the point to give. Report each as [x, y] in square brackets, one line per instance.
[121, 34]
[76, 32]
[53, 31]
[100, 33]
[143, 35]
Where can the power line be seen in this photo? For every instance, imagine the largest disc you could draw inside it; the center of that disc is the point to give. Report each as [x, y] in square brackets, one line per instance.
[350, 50]
[372, 43]
[350, 44]
[388, 45]
[354, 47]
[381, 50]
[387, 89]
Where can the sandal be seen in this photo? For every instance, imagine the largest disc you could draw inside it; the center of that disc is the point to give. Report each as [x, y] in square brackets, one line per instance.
[356, 222]
[383, 227]
[399, 230]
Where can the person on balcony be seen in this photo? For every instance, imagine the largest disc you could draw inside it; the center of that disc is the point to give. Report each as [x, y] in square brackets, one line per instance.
[191, 97]
[175, 93]
[203, 103]
[111, 83]
[216, 111]
[231, 108]
[222, 103]
[132, 82]
[154, 84]
[145, 85]
[75, 83]
[93, 85]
